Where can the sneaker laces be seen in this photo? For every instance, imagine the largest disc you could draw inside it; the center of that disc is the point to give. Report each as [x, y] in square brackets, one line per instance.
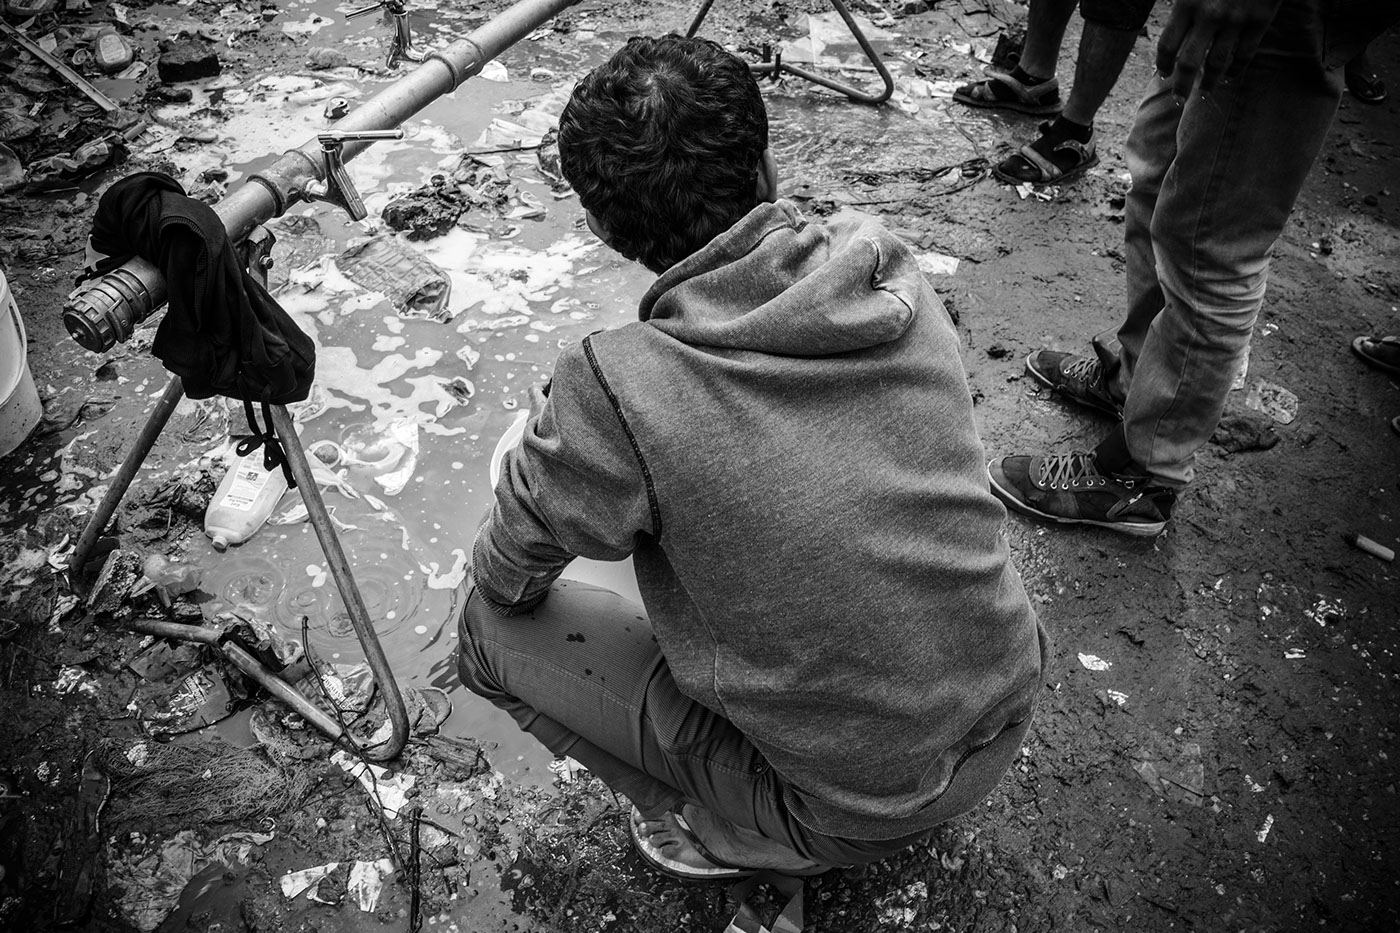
[1064, 471]
[1085, 369]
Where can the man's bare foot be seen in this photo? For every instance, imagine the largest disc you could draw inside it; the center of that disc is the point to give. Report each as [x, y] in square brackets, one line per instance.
[702, 845]
[669, 845]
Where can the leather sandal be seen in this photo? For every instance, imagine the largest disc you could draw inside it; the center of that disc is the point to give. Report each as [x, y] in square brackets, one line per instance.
[690, 870]
[1382, 353]
[1035, 99]
[758, 853]
[1028, 165]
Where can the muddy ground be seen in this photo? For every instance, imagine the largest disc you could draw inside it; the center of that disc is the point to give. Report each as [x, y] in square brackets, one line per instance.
[1228, 768]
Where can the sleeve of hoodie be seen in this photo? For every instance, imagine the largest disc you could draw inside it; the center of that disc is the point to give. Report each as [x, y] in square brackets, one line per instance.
[572, 488]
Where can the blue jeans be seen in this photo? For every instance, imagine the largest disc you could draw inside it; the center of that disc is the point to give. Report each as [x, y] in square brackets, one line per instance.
[1213, 182]
[584, 675]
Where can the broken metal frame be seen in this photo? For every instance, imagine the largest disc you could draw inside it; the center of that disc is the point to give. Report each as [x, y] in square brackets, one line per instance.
[103, 312]
[777, 67]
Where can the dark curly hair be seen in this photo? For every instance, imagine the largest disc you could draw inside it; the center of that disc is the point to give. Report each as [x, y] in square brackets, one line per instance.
[662, 144]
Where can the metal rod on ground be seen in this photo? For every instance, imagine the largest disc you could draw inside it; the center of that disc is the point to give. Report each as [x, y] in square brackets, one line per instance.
[145, 440]
[245, 662]
[345, 582]
[73, 78]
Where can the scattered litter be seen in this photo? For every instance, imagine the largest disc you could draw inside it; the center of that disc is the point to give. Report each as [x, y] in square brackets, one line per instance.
[367, 882]
[414, 286]
[1273, 400]
[307, 880]
[392, 791]
[1295, 654]
[1094, 662]
[1263, 833]
[151, 880]
[828, 29]
[1240, 430]
[1117, 696]
[75, 680]
[494, 71]
[937, 263]
[1326, 612]
[1181, 780]
[566, 769]
[1375, 549]
[201, 698]
[388, 455]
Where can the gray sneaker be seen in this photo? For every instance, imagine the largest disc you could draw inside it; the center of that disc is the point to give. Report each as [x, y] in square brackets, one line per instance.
[1078, 377]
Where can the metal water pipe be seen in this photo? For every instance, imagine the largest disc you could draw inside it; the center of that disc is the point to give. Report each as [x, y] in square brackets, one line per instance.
[111, 305]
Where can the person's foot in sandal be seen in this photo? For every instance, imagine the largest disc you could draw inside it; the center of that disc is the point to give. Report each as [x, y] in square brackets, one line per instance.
[1017, 91]
[1383, 353]
[698, 845]
[1063, 151]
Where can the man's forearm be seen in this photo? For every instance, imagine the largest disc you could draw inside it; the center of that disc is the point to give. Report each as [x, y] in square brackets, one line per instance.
[510, 578]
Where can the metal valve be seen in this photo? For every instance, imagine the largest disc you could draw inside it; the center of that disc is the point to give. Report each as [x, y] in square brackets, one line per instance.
[338, 189]
[401, 42]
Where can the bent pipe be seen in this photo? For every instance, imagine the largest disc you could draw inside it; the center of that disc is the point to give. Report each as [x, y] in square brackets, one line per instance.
[246, 663]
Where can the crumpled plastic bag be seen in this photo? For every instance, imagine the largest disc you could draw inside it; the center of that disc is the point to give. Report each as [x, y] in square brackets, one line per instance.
[414, 285]
[152, 881]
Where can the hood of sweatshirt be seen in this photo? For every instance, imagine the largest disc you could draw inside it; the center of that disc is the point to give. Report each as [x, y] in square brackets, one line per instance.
[775, 284]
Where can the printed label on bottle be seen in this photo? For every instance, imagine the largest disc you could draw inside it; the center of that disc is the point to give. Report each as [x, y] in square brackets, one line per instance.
[247, 483]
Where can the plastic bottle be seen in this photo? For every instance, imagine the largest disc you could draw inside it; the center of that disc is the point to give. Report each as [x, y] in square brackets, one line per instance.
[243, 501]
[112, 51]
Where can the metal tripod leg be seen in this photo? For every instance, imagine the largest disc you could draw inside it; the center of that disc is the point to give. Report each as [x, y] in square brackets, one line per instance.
[776, 68]
[325, 533]
[345, 582]
[145, 440]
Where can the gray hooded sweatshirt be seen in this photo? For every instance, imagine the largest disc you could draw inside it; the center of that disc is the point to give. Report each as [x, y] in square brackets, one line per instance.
[785, 445]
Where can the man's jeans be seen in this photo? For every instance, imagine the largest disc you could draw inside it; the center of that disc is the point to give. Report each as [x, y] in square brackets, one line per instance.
[1213, 182]
[584, 675]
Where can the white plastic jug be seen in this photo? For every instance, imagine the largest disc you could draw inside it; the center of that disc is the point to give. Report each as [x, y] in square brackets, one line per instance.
[243, 501]
[20, 410]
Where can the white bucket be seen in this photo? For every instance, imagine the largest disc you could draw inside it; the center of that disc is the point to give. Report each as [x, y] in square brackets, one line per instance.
[19, 400]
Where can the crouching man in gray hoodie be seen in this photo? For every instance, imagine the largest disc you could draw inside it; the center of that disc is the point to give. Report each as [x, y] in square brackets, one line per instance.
[836, 653]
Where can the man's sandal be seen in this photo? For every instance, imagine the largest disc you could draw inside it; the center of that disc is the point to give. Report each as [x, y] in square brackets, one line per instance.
[1030, 165]
[1035, 99]
[691, 860]
[698, 866]
[1383, 353]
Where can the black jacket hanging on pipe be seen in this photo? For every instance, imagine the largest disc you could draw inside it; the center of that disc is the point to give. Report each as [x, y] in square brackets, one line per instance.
[223, 334]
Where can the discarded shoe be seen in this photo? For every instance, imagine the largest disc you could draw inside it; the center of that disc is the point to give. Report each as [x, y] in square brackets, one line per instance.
[1079, 378]
[1069, 489]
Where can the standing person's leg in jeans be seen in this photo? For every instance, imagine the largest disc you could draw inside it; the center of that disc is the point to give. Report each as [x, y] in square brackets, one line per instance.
[1215, 177]
[584, 675]
[1214, 181]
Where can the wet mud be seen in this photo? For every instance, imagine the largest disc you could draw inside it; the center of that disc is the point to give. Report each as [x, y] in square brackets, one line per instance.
[1214, 743]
